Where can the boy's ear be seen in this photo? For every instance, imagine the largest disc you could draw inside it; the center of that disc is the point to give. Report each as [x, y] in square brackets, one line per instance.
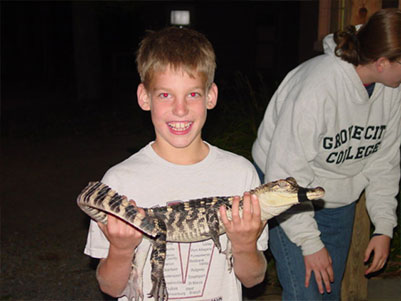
[212, 97]
[143, 97]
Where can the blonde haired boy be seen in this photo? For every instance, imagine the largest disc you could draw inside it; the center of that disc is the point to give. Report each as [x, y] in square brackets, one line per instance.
[176, 66]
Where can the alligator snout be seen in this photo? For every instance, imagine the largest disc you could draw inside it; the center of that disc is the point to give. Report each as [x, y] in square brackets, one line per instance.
[309, 194]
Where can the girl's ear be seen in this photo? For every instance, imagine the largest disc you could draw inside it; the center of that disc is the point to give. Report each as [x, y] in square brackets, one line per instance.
[212, 97]
[143, 97]
[381, 64]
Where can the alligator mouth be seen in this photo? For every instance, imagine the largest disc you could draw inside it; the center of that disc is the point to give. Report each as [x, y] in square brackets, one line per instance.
[305, 194]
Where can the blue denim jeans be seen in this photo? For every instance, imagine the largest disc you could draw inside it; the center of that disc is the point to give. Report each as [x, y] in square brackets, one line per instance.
[335, 226]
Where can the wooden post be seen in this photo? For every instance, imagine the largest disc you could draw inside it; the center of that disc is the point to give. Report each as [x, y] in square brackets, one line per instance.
[355, 284]
[324, 19]
[361, 10]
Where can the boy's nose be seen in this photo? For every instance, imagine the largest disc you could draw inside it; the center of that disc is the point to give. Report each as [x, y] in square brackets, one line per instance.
[180, 107]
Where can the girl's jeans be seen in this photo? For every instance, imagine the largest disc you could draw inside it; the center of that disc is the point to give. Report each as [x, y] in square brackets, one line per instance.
[335, 226]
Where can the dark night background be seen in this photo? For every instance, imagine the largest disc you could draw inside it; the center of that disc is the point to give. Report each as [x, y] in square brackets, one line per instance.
[69, 112]
[73, 52]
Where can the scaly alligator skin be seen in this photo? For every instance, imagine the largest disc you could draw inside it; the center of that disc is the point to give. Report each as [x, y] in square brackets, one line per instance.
[189, 221]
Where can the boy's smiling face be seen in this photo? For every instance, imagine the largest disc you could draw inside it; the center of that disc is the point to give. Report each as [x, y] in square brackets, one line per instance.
[178, 105]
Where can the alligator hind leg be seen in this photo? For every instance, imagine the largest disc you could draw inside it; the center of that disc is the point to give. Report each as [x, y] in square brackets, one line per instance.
[134, 288]
[229, 255]
[158, 258]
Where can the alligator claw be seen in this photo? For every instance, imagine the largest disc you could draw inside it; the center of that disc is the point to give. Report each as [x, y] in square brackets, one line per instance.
[159, 290]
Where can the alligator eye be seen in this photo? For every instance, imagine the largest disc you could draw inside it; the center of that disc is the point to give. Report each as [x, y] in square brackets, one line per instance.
[291, 180]
[284, 184]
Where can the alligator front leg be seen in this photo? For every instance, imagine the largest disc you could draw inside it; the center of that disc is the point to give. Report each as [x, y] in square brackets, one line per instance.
[213, 223]
[158, 258]
[212, 219]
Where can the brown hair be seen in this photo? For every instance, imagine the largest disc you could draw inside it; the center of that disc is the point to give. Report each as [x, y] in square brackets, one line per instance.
[379, 37]
[178, 48]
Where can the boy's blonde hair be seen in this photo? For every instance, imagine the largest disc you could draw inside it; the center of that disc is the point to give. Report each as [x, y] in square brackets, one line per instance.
[177, 48]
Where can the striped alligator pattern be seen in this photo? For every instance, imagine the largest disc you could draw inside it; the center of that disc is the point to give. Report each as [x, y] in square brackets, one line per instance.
[189, 221]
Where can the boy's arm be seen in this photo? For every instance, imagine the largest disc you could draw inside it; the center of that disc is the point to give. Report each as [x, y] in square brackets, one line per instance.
[243, 232]
[114, 270]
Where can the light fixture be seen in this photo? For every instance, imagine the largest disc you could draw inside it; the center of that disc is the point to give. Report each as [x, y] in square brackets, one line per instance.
[180, 17]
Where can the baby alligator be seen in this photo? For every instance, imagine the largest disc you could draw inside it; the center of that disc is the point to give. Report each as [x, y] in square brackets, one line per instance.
[188, 221]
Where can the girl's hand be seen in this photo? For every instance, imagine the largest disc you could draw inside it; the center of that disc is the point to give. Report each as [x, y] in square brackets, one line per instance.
[380, 245]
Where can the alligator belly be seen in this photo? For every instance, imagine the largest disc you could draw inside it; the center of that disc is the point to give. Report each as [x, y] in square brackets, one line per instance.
[186, 233]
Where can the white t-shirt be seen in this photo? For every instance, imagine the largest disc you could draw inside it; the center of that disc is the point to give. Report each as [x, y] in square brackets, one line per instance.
[193, 271]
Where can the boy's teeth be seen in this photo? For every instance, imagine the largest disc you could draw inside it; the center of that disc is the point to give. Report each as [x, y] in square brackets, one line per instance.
[179, 126]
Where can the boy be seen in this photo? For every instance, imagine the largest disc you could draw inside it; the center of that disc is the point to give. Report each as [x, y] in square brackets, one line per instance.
[176, 67]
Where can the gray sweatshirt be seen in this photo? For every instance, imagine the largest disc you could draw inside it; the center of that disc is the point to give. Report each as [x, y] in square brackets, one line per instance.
[322, 128]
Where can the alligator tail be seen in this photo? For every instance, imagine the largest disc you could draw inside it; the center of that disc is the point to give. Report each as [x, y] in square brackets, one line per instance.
[97, 200]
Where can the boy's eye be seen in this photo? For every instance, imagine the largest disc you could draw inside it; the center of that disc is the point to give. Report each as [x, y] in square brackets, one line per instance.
[194, 94]
[164, 95]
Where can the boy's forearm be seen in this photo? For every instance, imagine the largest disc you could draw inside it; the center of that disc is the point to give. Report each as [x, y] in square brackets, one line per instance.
[113, 272]
[249, 266]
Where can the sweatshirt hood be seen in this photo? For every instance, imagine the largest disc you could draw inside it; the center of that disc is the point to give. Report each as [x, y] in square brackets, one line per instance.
[329, 45]
[360, 93]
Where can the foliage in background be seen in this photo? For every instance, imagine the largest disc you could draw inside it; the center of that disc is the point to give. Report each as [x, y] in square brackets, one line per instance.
[233, 124]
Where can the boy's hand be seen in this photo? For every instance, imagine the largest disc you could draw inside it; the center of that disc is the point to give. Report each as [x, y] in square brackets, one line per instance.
[120, 234]
[114, 270]
[244, 231]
